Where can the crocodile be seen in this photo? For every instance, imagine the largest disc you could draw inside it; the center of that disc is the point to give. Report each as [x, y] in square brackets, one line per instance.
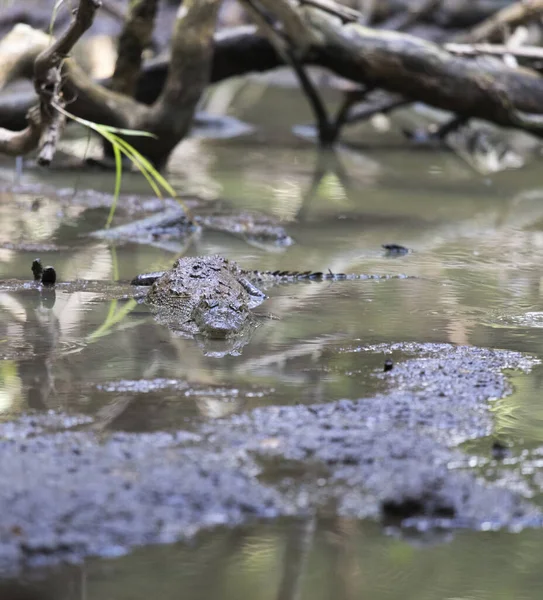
[208, 298]
[214, 297]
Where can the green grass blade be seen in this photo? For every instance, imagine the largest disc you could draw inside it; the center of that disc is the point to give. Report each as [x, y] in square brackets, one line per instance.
[120, 146]
[118, 180]
[56, 8]
[112, 320]
[135, 157]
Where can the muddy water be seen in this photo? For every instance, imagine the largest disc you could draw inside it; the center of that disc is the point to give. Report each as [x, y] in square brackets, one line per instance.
[477, 247]
[303, 559]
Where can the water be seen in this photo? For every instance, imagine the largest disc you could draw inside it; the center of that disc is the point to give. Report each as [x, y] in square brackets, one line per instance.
[477, 249]
[304, 559]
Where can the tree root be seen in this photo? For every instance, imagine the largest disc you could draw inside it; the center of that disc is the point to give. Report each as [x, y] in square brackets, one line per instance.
[409, 68]
[43, 123]
[136, 36]
[510, 17]
[170, 116]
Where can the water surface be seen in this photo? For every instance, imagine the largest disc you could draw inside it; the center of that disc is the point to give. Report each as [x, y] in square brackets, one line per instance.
[477, 250]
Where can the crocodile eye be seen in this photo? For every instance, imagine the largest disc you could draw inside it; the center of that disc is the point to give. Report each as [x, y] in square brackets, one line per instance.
[197, 271]
[208, 304]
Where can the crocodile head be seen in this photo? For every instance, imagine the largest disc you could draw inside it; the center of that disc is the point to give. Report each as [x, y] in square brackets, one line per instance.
[209, 298]
[219, 320]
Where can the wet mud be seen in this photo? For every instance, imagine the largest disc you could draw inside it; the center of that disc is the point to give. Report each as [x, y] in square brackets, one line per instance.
[75, 491]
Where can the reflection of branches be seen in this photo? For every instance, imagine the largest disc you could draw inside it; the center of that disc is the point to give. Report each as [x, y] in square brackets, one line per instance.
[328, 162]
[41, 333]
[115, 315]
[299, 544]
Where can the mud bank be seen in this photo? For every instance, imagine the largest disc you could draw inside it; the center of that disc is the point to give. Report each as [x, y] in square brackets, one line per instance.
[69, 493]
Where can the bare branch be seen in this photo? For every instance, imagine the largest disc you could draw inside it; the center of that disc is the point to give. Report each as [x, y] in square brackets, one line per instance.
[528, 52]
[52, 57]
[285, 12]
[48, 79]
[18, 143]
[170, 118]
[136, 36]
[412, 15]
[43, 124]
[510, 17]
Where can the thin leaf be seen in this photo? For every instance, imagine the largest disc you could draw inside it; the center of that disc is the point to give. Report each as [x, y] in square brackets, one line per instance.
[111, 320]
[99, 128]
[121, 146]
[56, 8]
[118, 179]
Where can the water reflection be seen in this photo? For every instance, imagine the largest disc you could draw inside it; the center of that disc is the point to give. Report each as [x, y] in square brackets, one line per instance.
[328, 559]
[29, 346]
[477, 249]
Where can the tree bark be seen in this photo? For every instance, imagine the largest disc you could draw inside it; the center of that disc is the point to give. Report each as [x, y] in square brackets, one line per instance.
[418, 70]
[44, 123]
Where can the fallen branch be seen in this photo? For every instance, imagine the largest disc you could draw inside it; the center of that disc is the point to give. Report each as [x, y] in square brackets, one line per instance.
[42, 123]
[413, 69]
[510, 17]
[424, 72]
[528, 52]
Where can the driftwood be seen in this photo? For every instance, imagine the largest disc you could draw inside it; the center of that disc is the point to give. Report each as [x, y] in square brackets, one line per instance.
[161, 97]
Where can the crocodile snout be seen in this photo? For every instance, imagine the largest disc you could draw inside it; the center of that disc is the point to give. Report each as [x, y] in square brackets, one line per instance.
[220, 321]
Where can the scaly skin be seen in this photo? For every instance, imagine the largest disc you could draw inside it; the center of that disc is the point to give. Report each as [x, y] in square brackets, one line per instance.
[213, 296]
[208, 295]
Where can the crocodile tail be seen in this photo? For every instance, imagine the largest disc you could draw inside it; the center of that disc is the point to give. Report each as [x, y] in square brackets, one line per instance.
[286, 276]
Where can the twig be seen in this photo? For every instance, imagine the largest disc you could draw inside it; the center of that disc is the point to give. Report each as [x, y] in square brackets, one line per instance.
[346, 14]
[450, 126]
[349, 100]
[287, 49]
[412, 15]
[47, 80]
[528, 52]
[135, 37]
[512, 16]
